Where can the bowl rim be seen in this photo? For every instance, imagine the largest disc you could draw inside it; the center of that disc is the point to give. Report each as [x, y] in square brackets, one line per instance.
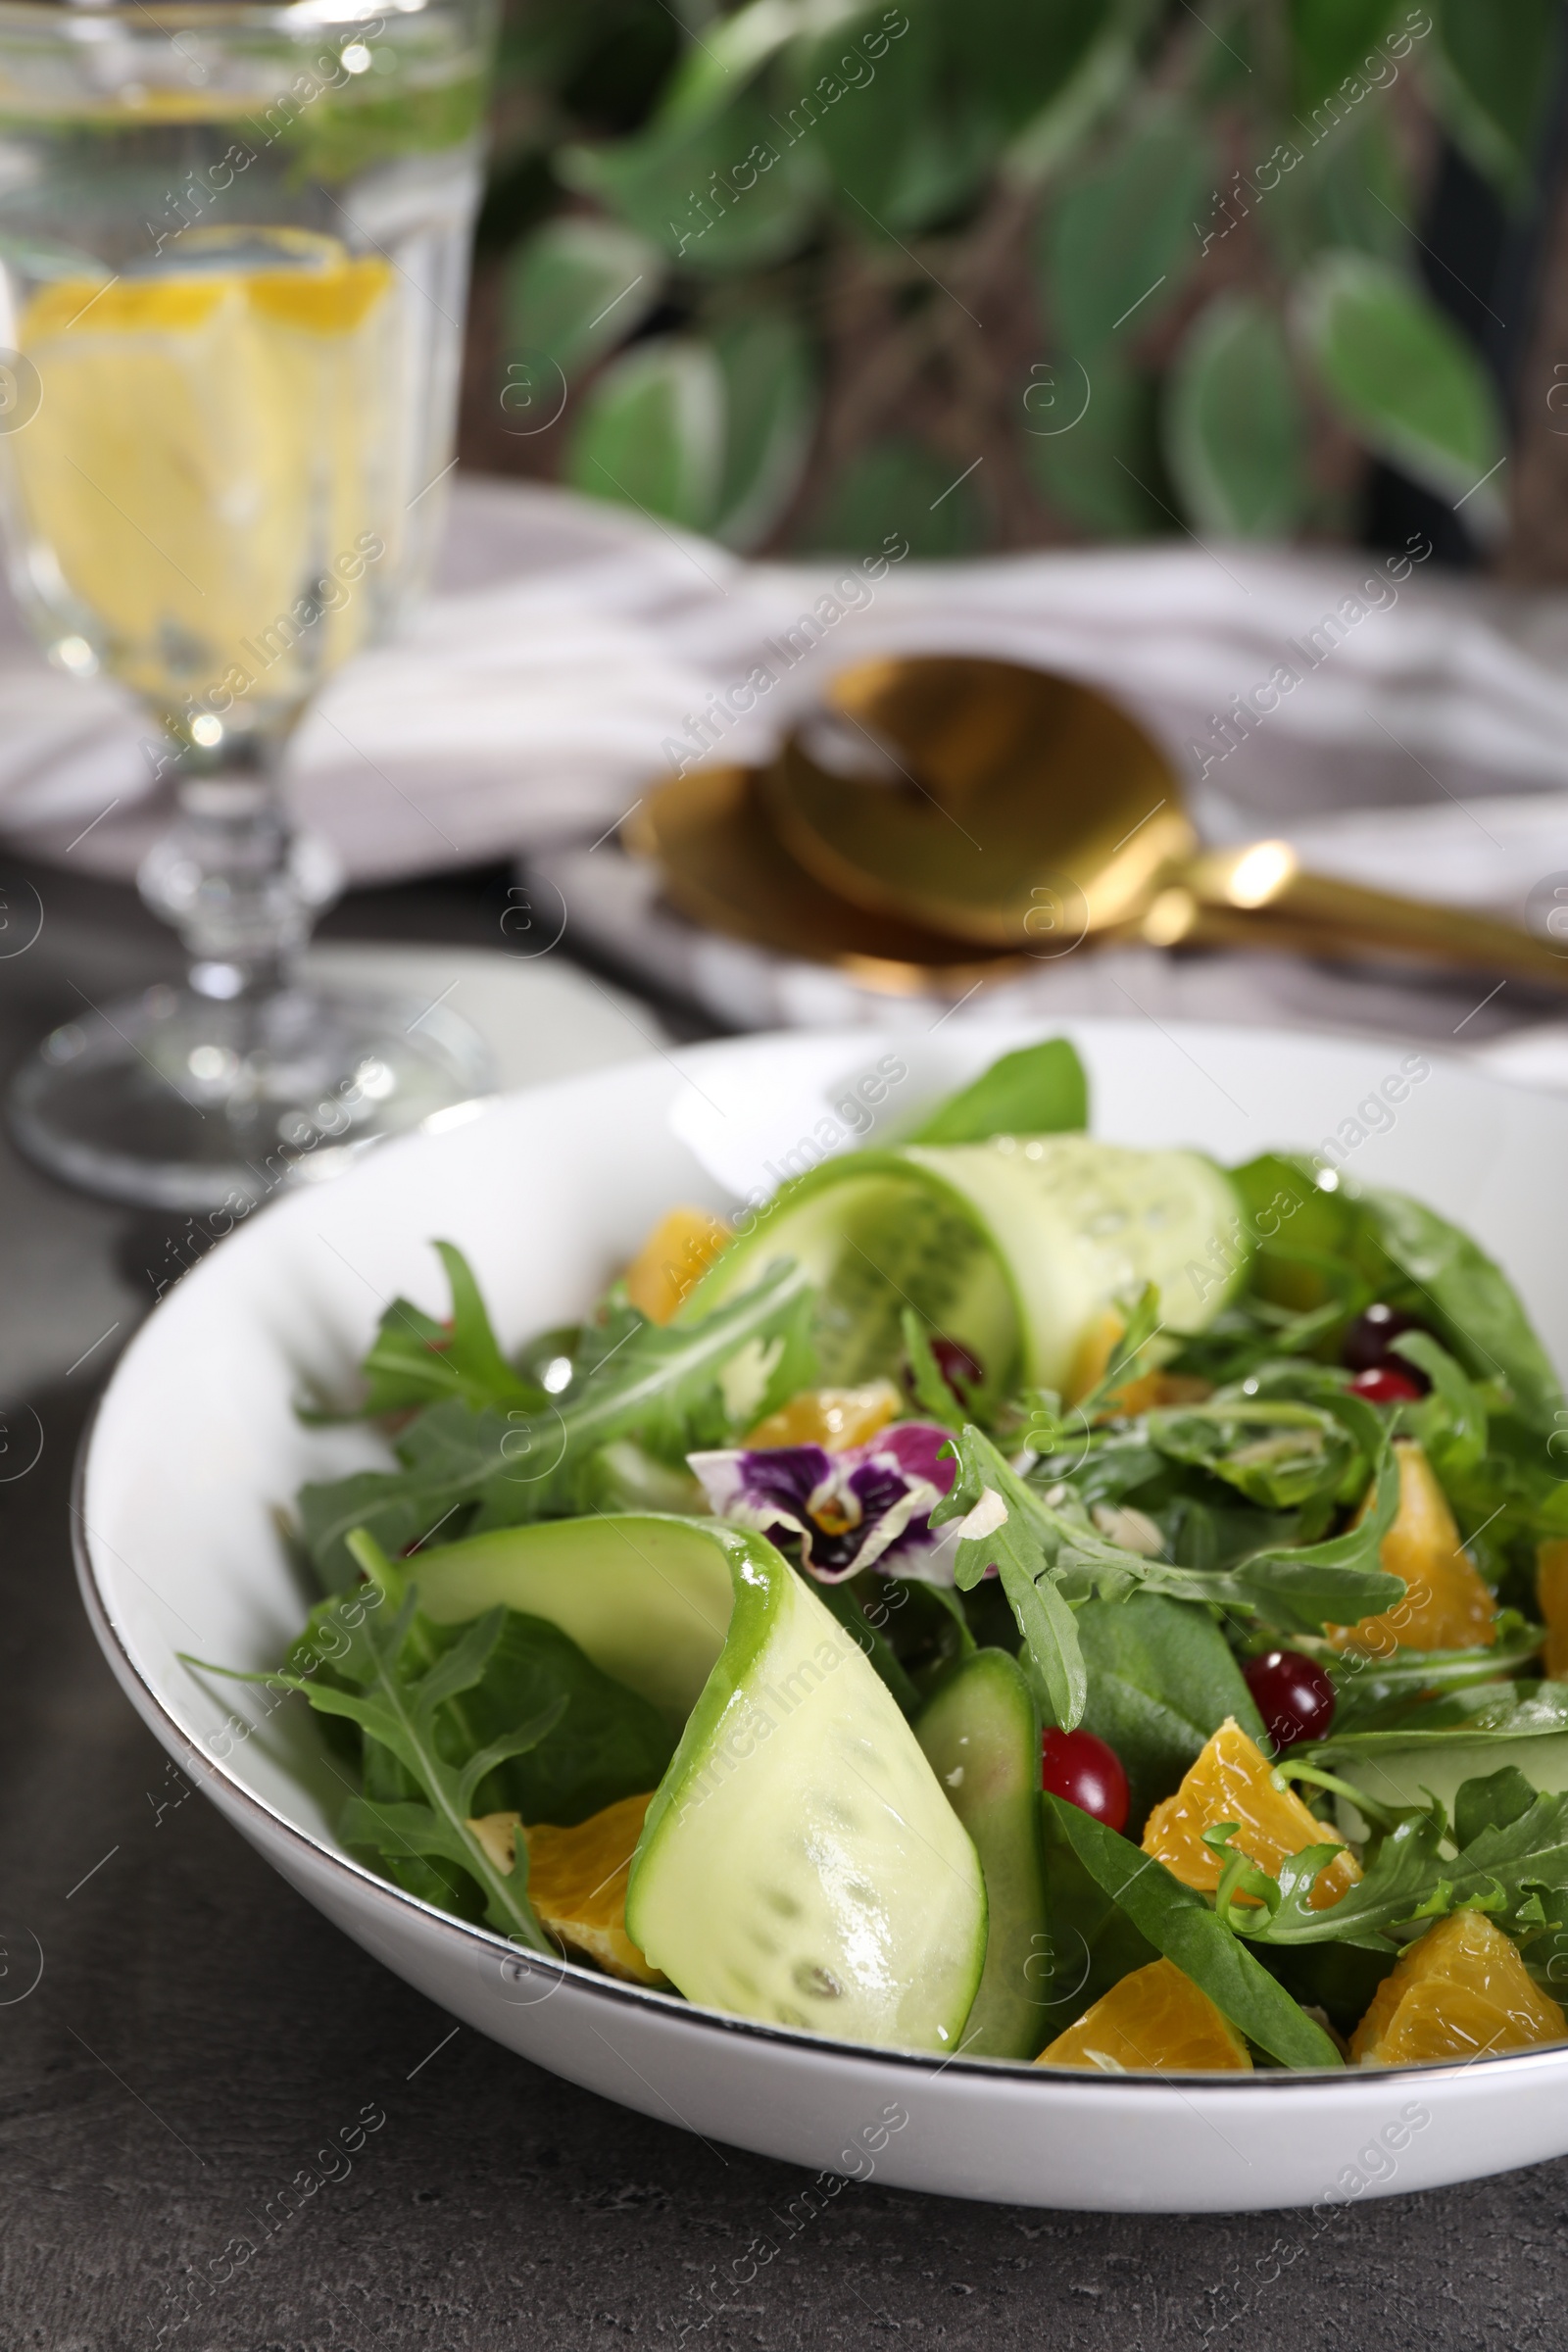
[697, 2017]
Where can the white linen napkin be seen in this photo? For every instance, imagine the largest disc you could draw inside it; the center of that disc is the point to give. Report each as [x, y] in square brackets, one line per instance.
[571, 645]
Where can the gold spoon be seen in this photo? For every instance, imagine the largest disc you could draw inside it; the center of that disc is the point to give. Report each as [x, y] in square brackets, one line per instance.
[1014, 809]
[722, 865]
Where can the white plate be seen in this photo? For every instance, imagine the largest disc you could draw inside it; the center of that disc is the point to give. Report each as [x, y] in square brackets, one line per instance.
[196, 1444]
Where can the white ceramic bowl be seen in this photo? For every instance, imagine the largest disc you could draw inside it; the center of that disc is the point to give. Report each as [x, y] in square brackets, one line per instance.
[196, 1444]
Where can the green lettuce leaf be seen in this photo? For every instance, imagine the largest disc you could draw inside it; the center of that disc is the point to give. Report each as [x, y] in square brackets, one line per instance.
[1161, 1677]
[1041, 1090]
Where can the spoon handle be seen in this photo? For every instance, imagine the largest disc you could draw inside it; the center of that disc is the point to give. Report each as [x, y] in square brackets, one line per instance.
[1263, 889]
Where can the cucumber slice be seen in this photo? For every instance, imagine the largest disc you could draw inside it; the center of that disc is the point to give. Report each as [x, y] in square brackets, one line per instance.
[980, 1738]
[1013, 1246]
[1081, 1223]
[876, 1235]
[647, 1604]
[798, 1862]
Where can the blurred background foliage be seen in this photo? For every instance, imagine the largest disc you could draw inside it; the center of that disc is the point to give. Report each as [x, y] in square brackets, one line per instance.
[998, 272]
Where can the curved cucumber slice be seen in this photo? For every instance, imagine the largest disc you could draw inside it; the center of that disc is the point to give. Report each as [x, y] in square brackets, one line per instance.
[1081, 1223]
[798, 1862]
[980, 1738]
[875, 1234]
[647, 1598]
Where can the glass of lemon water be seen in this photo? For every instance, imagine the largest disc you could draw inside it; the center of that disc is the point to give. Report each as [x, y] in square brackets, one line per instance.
[233, 258]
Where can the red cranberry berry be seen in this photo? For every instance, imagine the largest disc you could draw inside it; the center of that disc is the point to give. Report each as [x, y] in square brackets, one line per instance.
[1368, 1344]
[1077, 1766]
[1384, 1385]
[1294, 1695]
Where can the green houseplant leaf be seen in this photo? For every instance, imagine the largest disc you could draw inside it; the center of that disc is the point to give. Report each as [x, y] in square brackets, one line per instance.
[1491, 72]
[1233, 425]
[1120, 244]
[1091, 444]
[719, 192]
[1403, 377]
[770, 414]
[897, 489]
[650, 433]
[577, 289]
[1330, 39]
[1021, 55]
[902, 139]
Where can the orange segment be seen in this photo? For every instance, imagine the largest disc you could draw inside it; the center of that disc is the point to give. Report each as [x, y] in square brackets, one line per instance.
[577, 1880]
[836, 1418]
[680, 1249]
[1551, 1593]
[1093, 1353]
[1447, 1602]
[1153, 1388]
[1155, 2021]
[1461, 1991]
[1137, 1395]
[1232, 1781]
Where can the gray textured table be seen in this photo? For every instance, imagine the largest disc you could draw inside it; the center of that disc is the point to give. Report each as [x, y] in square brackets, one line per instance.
[198, 2032]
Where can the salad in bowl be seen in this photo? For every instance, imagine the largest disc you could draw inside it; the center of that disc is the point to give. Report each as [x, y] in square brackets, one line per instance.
[1007, 1592]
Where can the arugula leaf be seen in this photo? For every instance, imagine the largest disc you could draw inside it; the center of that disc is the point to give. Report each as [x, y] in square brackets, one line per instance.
[1403, 1874]
[1472, 1301]
[1127, 1358]
[1517, 1851]
[399, 1708]
[1302, 1588]
[1161, 1677]
[1530, 1851]
[449, 1453]
[1452, 1423]
[1178, 1922]
[1491, 1710]
[1008, 1534]
[1276, 1453]
[1041, 1090]
[414, 1361]
[673, 1389]
[1501, 1798]
[612, 1743]
[1373, 1694]
[1052, 1558]
[1365, 1244]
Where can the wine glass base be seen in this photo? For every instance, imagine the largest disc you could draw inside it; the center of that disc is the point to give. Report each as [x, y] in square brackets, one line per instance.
[173, 1100]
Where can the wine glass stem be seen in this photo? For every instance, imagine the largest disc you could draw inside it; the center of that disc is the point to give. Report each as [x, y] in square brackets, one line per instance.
[238, 883]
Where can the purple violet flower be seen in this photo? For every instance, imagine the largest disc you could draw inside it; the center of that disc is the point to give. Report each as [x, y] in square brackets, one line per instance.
[869, 1505]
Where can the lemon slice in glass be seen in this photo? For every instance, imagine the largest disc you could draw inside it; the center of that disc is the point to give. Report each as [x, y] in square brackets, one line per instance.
[200, 462]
